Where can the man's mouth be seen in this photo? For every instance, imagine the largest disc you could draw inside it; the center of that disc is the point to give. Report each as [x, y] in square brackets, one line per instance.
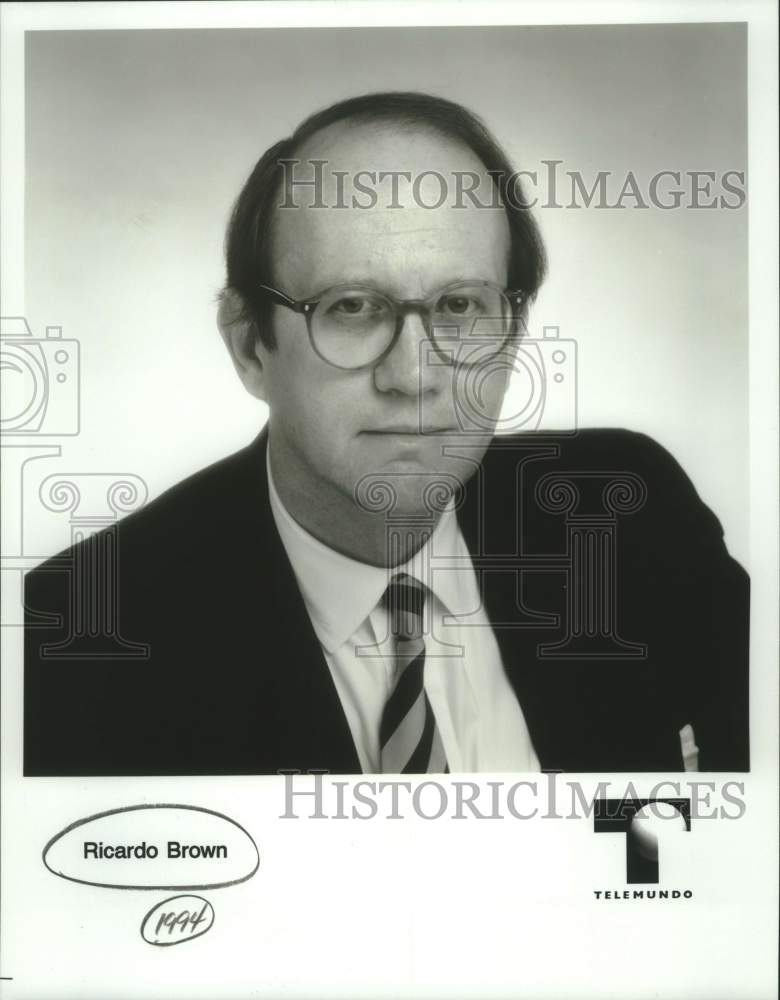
[404, 431]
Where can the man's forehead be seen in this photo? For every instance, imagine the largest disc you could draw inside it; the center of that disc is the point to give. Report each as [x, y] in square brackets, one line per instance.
[390, 202]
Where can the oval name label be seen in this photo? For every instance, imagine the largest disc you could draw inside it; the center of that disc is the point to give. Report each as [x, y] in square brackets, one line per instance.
[162, 846]
[177, 919]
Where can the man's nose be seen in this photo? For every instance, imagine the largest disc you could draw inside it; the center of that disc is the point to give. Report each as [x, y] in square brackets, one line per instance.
[407, 368]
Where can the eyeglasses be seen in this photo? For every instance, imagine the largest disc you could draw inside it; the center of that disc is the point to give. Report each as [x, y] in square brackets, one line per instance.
[356, 326]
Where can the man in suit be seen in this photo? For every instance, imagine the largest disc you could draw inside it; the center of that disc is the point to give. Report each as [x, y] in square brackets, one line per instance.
[377, 583]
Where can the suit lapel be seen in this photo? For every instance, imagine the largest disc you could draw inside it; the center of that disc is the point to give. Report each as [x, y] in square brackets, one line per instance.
[308, 726]
[524, 607]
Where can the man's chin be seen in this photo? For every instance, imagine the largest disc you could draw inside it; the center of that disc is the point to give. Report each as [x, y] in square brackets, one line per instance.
[406, 488]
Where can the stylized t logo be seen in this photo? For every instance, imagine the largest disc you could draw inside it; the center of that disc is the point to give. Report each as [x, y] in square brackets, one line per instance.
[642, 821]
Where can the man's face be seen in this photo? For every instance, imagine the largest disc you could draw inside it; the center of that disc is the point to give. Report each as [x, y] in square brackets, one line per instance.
[330, 428]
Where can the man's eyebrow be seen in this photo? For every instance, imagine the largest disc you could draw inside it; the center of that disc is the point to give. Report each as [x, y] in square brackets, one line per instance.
[392, 230]
[384, 289]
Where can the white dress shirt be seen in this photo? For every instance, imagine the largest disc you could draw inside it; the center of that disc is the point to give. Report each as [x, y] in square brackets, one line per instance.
[479, 718]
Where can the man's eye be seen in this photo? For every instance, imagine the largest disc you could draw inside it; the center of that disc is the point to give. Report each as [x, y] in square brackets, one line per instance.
[354, 305]
[459, 305]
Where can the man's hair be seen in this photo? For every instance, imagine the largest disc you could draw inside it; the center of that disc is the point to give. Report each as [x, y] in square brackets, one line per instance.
[248, 244]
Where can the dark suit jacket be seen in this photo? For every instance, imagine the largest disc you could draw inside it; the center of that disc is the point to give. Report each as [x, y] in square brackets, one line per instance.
[234, 681]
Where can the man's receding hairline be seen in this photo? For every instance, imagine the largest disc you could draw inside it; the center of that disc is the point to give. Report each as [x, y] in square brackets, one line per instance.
[386, 124]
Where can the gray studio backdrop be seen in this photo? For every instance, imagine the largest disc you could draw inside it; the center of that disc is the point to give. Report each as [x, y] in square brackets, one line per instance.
[137, 143]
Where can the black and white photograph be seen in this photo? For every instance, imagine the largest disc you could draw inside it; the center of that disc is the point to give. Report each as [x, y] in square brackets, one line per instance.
[389, 445]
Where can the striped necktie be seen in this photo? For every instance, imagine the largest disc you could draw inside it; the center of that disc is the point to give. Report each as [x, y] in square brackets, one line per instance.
[408, 735]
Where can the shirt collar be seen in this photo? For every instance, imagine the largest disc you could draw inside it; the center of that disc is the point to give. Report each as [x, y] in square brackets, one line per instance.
[341, 592]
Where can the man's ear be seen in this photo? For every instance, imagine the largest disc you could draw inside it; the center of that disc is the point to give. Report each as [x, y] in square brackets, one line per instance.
[243, 343]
